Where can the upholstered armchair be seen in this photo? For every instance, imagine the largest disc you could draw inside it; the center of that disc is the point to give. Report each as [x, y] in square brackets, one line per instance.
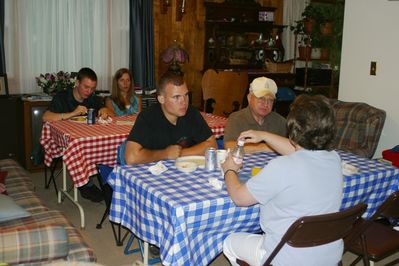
[359, 127]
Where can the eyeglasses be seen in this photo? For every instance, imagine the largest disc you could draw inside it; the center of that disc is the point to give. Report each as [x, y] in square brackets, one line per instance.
[264, 100]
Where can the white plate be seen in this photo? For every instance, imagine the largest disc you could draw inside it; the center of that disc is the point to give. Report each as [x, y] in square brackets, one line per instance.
[79, 119]
[198, 160]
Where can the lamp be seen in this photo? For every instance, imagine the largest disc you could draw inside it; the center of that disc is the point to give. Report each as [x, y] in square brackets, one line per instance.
[174, 55]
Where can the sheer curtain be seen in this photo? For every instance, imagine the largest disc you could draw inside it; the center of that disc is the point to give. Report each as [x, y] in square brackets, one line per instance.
[292, 12]
[48, 36]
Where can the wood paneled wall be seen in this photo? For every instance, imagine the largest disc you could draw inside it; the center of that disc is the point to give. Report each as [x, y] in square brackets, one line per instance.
[190, 33]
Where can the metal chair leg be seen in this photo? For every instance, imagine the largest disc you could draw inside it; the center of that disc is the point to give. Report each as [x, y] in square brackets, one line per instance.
[140, 249]
[117, 235]
[106, 213]
[53, 175]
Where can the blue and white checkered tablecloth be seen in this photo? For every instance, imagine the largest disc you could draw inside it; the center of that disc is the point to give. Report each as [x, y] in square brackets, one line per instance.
[189, 219]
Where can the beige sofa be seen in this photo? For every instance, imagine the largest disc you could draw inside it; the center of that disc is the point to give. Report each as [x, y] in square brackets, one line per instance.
[44, 236]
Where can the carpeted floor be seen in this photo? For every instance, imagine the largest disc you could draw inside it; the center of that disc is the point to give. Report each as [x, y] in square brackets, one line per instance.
[102, 240]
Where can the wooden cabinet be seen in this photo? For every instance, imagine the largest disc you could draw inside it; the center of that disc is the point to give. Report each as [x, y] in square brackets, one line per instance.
[32, 128]
[11, 132]
[240, 36]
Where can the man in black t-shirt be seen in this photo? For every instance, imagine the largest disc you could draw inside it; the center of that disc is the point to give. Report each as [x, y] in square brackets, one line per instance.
[76, 101]
[170, 128]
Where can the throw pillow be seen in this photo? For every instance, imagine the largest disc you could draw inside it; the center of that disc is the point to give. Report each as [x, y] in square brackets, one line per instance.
[10, 210]
[3, 175]
[33, 244]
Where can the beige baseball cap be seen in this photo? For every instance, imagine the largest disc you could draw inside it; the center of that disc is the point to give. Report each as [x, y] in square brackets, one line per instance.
[263, 86]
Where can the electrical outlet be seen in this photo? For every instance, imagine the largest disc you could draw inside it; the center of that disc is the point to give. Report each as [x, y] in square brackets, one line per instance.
[373, 68]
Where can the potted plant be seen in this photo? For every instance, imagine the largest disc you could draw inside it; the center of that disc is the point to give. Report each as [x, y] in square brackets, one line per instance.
[51, 83]
[304, 42]
[311, 16]
[327, 16]
[325, 46]
[305, 47]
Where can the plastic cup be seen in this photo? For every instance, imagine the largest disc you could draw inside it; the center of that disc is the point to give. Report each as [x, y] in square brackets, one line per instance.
[255, 170]
[220, 157]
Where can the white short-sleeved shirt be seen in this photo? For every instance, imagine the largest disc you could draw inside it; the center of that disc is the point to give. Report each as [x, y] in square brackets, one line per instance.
[300, 184]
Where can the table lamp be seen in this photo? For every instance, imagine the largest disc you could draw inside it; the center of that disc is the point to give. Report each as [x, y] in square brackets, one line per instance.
[175, 55]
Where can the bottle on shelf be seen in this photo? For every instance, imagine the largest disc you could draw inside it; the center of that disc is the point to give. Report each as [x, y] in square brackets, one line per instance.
[238, 152]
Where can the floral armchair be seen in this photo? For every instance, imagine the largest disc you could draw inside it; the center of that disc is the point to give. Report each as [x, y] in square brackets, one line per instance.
[359, 127]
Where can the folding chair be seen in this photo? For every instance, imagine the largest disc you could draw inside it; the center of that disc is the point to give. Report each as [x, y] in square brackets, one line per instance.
[310, 231]
[54, 173]
[104, 171]
[128, 250]
[381, 241]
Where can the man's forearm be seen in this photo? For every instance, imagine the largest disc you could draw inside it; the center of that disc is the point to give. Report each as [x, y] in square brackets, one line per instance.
[199, 149]
[146, 156]
[50, 116]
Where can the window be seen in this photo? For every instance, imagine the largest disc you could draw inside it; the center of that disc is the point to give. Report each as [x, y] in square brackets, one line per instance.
[48, 36]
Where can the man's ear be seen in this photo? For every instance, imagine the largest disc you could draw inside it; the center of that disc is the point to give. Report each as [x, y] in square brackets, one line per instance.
[161, 99]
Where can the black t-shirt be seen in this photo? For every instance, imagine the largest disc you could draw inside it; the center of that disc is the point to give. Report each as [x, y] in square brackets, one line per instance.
[154, 132]
[64, 102]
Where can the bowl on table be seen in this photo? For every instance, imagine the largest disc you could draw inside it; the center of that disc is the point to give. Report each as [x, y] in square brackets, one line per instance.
[186, 166]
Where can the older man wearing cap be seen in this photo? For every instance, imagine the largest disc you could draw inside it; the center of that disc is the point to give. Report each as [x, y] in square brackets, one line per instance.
[257, 116]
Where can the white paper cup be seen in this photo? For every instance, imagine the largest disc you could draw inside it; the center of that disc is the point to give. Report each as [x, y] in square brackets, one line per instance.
[220, 157]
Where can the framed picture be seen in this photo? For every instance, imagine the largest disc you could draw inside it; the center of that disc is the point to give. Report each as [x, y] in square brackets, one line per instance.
[266, 16]
[3, 84]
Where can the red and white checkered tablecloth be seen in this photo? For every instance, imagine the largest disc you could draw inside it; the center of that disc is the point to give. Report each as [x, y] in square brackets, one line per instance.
[216, 124]
[83, 146]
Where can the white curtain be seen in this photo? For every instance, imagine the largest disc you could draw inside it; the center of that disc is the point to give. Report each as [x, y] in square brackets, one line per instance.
[44, 36]
[292, 12]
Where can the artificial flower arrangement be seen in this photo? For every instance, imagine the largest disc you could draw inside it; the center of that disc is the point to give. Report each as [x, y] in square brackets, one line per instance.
[51, 83]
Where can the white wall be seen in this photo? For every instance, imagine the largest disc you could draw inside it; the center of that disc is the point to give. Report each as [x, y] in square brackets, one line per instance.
[371, 33]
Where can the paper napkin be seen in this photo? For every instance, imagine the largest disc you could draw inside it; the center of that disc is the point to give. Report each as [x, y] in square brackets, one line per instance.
[348, 169]
[157, 169]
[105, 121]
[216, 183]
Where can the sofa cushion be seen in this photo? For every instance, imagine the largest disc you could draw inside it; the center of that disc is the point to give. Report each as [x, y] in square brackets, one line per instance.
[33, 244]
[10, 210]
[3, 175]
[17, 178]
[29, 201]
[78, 248]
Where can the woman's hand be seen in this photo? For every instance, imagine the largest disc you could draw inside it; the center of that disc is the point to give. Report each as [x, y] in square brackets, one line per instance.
[230, 164]
[252, 136]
